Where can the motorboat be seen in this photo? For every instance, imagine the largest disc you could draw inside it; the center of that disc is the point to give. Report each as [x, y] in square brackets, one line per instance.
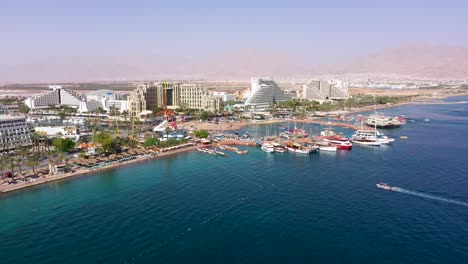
[385, 186]
[267, 147]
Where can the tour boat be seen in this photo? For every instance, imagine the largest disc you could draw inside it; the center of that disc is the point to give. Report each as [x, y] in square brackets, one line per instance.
[382, 121]
[366, 137]
[385, 186]
[267, 147]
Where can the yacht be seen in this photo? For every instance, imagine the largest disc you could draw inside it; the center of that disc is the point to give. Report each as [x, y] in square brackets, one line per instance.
[384, 139]
[267, 147]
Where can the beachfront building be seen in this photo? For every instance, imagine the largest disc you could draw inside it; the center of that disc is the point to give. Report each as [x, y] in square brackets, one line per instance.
[225, 96]
[175, 95]
[120, 105]
[70, 132]
[98, 95]
[264, 92]
[57, 96]
[110, 100]
[14, 132]
[325, 90]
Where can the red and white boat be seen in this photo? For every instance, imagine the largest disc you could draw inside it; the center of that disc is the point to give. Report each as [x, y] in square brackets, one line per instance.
[298, 132]
[339, 141]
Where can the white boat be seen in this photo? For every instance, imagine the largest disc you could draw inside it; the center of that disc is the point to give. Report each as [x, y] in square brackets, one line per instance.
[299, 150]
[366, 137]
[382, 121]
[341, 144]
[278, 148]
[327, 132]
[427, 119]
[328, 148]
[267, 147]
[385, 186]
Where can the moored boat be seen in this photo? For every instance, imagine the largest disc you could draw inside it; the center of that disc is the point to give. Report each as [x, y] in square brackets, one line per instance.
[267, 147]
[341, 144]
[366, 137]
[298, 132]
[382, 121]
[297, 148]
[328, 148]
[278, 148]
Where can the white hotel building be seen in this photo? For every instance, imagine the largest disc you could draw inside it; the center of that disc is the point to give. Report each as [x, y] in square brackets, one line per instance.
[57, 95]
[263, 92]
[14, 132]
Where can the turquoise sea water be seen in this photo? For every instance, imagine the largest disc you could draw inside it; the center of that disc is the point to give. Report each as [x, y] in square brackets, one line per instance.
[261, 208]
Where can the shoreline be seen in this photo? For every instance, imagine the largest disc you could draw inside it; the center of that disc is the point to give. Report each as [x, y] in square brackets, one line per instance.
[314, 119]
[234, 126]
[90, 172]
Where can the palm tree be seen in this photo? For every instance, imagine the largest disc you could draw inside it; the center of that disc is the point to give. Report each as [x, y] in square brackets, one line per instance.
[33, 162]
[11, 163]
[167, 130]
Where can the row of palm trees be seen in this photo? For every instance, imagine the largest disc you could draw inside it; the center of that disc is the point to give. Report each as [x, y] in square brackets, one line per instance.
[28, 157]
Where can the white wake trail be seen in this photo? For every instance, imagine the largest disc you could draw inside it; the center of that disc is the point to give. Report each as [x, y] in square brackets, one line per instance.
[433, 197]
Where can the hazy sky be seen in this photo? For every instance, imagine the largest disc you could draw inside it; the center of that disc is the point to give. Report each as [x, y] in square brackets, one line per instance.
[314, 30]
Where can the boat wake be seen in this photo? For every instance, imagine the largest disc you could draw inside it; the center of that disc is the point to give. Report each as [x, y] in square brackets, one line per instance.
[428, 196]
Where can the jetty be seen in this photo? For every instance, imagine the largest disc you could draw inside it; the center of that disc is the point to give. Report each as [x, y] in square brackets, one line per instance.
[233, 149]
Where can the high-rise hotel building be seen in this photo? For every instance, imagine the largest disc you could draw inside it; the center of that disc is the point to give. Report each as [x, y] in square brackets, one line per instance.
[176, 95]
[14, 132]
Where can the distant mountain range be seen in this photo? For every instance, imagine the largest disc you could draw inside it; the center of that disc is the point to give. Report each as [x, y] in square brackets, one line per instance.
[418, 61]
[411, 61]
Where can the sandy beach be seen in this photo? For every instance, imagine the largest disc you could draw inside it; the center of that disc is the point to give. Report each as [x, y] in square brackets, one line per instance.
[90, 172]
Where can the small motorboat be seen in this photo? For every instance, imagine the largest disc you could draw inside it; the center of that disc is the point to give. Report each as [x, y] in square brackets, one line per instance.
[385, 186]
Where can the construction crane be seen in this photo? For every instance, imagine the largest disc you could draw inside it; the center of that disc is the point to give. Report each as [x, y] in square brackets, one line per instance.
[116, 117]
[132, 135]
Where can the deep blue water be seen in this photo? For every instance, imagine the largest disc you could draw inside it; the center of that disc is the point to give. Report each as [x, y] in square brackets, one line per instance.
[260, 208]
